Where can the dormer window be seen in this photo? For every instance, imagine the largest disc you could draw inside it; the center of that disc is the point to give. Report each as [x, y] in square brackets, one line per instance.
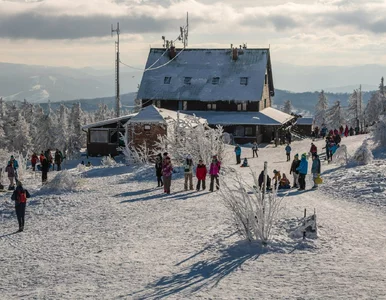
[167, 80]
[243, 80]
[187, 80]
[215, 80]
[211, 106]
[242, 106]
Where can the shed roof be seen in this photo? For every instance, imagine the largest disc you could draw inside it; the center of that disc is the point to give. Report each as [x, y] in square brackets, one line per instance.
[305, 121]
[152, 114]
[109, 121]
[268, 116]
[202, 65]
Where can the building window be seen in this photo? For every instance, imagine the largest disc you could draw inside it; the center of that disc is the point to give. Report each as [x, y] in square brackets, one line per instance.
[248, 131]
[266, 79]
[167, 80]
[244, 80]
[187, 80]
[215, 80]
[99, 136]
[184, 105]
[147, 127]
[239, 131]
[242, 106]
[265, 103]
[211, 106]
[158, 103]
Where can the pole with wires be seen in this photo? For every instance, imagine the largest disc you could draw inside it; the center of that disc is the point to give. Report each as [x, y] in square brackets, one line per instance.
[117, 97]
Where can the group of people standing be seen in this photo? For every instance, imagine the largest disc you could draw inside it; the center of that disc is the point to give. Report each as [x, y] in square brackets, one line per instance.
[164, 171]
[46, 162]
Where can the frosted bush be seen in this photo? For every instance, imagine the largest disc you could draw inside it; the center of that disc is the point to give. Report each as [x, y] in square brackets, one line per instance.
[340, 157]
[108, 161]
[81, 168]
[254, 214]
[379, 133]
[64, 181]
[363, 154]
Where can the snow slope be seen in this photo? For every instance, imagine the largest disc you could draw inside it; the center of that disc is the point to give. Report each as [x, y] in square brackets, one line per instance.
[117, 237]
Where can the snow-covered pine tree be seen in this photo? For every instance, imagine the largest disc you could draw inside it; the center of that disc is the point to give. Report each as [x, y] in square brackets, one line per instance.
[382, 96]
[354, 110]
[335, 116]
[37, 114]
[46, 134]
[3, 138]
[21, 141]
[61, 140]
[320, 110]
[75, 130]
[379, 133]
[102, 113]
[373, 109]
[287, 108]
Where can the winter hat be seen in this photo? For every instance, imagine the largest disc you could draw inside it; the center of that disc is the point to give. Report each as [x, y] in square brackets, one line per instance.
[12, 156]
[297, 155]
[304, 155]
[275, 171]
[189, 156]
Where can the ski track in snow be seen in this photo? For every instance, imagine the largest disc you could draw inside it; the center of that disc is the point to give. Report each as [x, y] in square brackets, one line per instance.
[121, 238]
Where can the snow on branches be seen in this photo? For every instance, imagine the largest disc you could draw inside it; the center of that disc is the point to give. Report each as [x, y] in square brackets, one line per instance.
[363, 154]
[320, 109]
[191, 136]
[253, 213]
[379, 133]
[335, 116]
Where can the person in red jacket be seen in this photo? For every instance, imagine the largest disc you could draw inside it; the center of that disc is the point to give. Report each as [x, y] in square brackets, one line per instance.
[313, 149]
[34, 160]
[201, 172]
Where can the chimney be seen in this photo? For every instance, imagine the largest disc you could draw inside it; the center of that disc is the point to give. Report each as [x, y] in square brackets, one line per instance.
[172, 52]
[234, 54]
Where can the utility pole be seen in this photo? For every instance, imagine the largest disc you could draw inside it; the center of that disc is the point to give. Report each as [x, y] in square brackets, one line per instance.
[360, 107]
[117, 61]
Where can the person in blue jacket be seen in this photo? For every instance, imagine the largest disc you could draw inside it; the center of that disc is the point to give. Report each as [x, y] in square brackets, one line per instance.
[315, 169]
[303, 168]
[238, 154]
[15, 166]
[288, 152]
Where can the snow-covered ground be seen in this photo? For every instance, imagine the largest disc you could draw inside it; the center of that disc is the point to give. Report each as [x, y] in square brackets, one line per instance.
[117, 236]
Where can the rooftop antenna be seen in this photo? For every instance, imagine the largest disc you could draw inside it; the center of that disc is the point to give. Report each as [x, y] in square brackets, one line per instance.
[183, 37]
[117, 60]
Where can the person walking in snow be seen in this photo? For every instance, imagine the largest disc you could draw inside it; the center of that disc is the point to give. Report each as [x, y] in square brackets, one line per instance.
[295, 173]
[346, 131]
[201, 172]
[302, 169]
[188, 173]
[313, 148]
[34, 160]
[337, 139]
[45, 167]
[255, 149]
[288, 137]
[158, 169]
[15, 166]
[58, 159]
[214, 172]
[288, 152]
[11, 175]
[238, 154]
[20, 196]
[315, 169]
[327, 147]
[351, 131]
[167, 171]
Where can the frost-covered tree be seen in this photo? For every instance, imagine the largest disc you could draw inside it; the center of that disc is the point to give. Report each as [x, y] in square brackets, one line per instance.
[321, 109]
[379, 133]
[382, 96]
[75, 130]
[102, 113]
[335, 116]
[363, 154]
[21, 140]
[355, 109]
[46, 135]
[61, 130]
[287, 108]
[373, 109]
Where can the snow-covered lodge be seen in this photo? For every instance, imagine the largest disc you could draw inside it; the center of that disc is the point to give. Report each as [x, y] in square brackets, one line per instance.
[229, 87]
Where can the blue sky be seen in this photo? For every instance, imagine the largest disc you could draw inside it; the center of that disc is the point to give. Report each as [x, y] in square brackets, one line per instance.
[76, 33]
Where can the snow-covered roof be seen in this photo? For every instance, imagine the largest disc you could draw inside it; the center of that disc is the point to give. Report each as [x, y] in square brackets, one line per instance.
[305, 121]
[244, 117]
[109, 121]
[202, 66]
[152, 114]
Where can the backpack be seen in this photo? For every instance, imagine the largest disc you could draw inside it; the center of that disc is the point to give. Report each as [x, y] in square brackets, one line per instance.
[21, 196]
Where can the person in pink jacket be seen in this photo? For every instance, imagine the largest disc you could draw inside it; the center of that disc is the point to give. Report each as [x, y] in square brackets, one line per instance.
[214, 172]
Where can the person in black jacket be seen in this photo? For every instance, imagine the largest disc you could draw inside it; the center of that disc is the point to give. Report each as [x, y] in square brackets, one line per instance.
[295, 164]
[261, 181]
[45, 168]
[20, 196]
[158, 169]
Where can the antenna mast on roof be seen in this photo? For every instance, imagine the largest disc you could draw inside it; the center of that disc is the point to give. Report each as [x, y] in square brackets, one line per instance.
[183, 37]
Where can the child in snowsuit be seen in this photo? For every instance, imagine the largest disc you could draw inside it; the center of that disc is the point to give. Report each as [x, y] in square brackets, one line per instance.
[295, 164]
[238, 154]
[167, 171]
[315, 169]
[201, 175]
[20, 196]
[284, 183]
[245, 163]
[214, 172]
[158, 170]
[288, 152]
[303, 168]
[188, 173]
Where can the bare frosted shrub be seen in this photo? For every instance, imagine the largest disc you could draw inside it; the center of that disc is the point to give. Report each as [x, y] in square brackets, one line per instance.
[64, 181]
[340, 157]
[379, 133]
[108, 161]
[363, 154]
[254, 214]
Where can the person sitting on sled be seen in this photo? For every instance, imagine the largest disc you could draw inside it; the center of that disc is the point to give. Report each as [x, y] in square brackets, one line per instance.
[284, 183]
[245, 163]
